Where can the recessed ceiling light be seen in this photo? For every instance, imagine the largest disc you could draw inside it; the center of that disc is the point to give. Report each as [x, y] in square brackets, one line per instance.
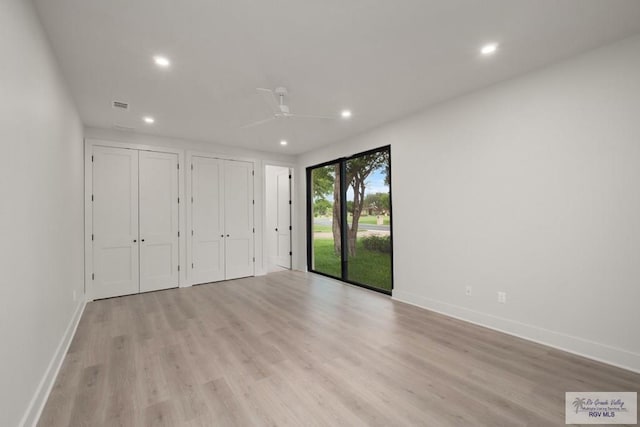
[148, 119]
[345, 114]
[489, 48]
[161, 61]
[283, 142]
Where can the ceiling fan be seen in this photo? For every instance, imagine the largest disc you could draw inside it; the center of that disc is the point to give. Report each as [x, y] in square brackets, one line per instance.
[276, 100]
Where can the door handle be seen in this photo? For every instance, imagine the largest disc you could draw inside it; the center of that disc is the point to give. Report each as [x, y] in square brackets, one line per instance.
[135, 240]
[142, 240]
[276, 229]
[227, 235]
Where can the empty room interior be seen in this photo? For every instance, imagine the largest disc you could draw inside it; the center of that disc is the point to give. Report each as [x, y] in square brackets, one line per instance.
[295, 212]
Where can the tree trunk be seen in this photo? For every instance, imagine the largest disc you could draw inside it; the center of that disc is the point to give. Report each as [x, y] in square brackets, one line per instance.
[358, 201]
[336, 223]
[352, 243]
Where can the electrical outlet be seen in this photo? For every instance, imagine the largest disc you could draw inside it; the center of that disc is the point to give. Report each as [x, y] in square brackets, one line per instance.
[502, 297]
[467, 291]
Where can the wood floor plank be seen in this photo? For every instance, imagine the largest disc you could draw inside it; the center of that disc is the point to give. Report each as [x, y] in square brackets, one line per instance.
[67, 383]
[225, 407]
[151, 384]
[298, 349]
[183, 384]
[161, 414]
[89, 398]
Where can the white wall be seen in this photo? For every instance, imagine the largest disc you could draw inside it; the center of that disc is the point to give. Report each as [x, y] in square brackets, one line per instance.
[528, 187]
[41, 244]
[225, 151]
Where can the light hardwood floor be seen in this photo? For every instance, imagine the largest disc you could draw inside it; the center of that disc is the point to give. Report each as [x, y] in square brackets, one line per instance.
[296, 349]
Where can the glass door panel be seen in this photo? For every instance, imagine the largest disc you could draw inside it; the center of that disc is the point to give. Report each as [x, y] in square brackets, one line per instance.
[369, 220]
[326, 224]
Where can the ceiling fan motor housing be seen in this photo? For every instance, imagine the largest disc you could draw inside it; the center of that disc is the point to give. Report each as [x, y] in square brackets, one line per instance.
[281, 91]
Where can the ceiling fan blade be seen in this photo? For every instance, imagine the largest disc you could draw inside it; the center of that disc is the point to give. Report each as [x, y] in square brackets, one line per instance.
[270, 98]
[259, 122]
[310, 116]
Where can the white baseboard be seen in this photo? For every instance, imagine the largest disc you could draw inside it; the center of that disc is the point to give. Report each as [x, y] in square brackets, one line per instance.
[34, 410]
[592, 350]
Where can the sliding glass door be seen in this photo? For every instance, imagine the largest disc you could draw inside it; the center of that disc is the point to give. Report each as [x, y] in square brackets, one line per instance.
[349, 219]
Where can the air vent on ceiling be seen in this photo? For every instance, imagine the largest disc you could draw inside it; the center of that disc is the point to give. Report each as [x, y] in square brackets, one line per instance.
[121, 105]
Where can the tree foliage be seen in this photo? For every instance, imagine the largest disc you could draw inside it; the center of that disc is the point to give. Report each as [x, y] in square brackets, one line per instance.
[323, 179]
[322, 207]
[357, 169]
[378, 203]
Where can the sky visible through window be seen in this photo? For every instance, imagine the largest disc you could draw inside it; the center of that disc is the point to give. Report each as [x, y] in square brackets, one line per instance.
[375, 184]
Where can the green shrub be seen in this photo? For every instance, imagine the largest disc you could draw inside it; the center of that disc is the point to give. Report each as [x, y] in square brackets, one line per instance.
[377, 243]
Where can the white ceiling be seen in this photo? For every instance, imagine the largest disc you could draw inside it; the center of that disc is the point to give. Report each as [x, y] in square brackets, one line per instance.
[382, 59]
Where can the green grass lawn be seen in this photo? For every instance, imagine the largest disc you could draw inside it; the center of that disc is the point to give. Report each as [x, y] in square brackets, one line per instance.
[319, 228]
[372, 219]
[367, 267]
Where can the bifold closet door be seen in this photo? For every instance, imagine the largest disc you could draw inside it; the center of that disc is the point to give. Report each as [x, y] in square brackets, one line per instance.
[207, 220]
[158, 195]
[115, 222]
[238, 219]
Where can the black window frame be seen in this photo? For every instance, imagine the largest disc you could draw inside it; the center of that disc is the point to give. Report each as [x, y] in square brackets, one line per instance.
[344, 258]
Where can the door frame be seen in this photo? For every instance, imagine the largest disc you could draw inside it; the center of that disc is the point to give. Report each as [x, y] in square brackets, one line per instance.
[89, 143]
[269, 227]
[288, 216]
[294, 212]
[257, 207]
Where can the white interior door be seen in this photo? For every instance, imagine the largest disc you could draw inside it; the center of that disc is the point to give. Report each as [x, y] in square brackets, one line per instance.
[238, 214]
[207, 219]
[115, 222]
[283, 182]
[158, 194]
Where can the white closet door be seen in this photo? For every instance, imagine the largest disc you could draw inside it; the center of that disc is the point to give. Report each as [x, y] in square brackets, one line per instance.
[238, 212]
[283, 181]
[115, 222]
[158, 221]
[207, 242]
